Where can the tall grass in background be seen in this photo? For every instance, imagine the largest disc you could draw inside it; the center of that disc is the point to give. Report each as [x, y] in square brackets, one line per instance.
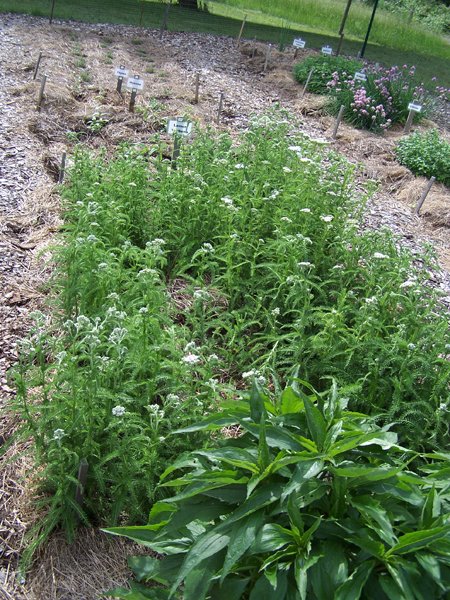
[326, 15]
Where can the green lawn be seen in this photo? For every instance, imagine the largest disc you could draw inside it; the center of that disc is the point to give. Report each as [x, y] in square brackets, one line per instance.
[428, 52]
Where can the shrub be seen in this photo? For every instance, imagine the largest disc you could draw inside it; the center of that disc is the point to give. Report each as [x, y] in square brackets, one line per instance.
[379, 102]
[307, 500]
[426, 154]
[324, 67]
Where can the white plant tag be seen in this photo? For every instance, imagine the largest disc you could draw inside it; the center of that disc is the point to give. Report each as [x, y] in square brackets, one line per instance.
[180, 126]
[328, 50]
[121, 71]
[135, 83]
[360, 76]
[414, 107]
[299, 43]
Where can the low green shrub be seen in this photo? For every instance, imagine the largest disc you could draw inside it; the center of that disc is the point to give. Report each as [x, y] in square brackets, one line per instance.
[324, 67]
[426, 154]
[305, 500]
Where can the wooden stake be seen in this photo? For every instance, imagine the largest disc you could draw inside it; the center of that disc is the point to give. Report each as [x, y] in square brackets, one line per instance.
[132, 101]
[339, 47]
[164, 21]
[308, 79]
[82, 478]
[424, 195]
[41, 92]
[36, 69]
[62, 167]
[222, 95]
[338, 121]
[176, 150]
[408, 123]
[241, 31]
[295, 53]
[197, 87]
[119, 84]
[141, 15]
[269, 50]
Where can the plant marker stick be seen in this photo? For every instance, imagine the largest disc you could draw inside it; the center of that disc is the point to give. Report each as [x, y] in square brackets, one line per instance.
[197, 87]
[338, 121]
[241, 31]
[341, 39]
[269, 50]
[222, 95]
[141, 15]
[132, 101]
[37, 66]
[82, 478]
[424, 195]
[41, 92]
[409, 121]
[308, 79]
[62, 167]
[119, 84]
[176, 150]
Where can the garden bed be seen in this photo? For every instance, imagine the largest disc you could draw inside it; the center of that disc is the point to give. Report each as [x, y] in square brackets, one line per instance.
[170, 81]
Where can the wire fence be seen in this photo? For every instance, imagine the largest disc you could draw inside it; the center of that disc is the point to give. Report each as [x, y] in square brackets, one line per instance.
[168, 15]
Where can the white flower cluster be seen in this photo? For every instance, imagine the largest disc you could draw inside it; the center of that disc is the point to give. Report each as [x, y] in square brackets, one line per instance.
[254, 374]
[118, 411]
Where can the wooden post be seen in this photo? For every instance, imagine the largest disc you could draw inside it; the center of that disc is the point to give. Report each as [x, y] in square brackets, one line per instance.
[241, 31]
[222, 95]
[176, 150]
[41, 92]
[141, 14]
[36, 69]
[82, 478]
[132, 101]
[424, 195]
[197, 87]
[338, 121]
[308, 79]
[339, 47]
[408, 123]
[51, 12]
[269, 50]
[62, 167]
[119, 84]
[164, 21]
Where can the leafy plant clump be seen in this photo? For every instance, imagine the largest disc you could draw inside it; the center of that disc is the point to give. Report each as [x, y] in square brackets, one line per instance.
[426, 154]
[308, 501]
[380, 101]
[175, 286]
[324, 67]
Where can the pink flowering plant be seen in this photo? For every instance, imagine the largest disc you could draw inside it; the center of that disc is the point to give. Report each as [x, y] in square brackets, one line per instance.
[380, 101]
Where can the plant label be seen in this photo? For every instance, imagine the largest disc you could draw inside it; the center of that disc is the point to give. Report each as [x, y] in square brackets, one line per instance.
[360, 76]
[414, 107]
[299, 43]
[135, 83]
[327, 50]
[121, 71]
[179, 126]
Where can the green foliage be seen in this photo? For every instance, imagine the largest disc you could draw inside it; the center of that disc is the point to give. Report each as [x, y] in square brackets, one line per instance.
[310, 501]
[324, 67]
[426, 154]
[174, 286]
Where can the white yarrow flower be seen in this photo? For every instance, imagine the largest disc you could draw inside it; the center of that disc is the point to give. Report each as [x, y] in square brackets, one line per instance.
[380, 255]
[326, 218]
[118, 411]
[58, 434]
[191, 359]
[305, 210]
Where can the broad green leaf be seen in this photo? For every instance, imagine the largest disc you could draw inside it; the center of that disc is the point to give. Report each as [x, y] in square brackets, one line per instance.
[139, 593]
[366, 473]
[352, 588]
[431, 509]
[204, 547]
[263, 448]
[305, 470]
[144, 534]
[212, 423]
[411, 542]
[402, 583]
[198, 580]
[316, 423]
[147, 568]
[301, 573]
[257, 409]
[201, 487]
[242, 536]
[372, 511]
[238, 457]
[231, 589]
[276, 437]
[185, 460]
[264, 496]
[430, 564]
[290, 402]
[271, 537]
[332, 435]
[331, 571]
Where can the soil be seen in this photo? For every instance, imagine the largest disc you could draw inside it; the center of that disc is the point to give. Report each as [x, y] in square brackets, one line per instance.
[80, 103]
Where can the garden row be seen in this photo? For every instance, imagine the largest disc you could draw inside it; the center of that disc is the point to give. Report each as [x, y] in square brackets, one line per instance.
[375, 98]
[175, 291]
